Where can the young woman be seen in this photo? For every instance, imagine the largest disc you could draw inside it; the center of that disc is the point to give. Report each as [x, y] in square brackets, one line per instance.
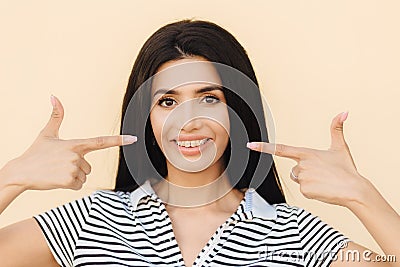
[178, 199]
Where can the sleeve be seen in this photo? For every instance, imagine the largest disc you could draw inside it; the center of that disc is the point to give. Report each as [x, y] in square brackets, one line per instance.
[61, 227]
[320, 242]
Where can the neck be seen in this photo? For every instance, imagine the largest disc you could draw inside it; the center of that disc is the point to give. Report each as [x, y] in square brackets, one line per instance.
[194, 189]
[194, 179]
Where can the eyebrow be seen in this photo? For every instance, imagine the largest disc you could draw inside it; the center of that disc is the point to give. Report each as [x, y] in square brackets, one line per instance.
[198, 91]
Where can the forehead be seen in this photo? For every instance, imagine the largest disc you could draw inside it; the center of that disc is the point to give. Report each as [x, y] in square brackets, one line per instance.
[173, 74]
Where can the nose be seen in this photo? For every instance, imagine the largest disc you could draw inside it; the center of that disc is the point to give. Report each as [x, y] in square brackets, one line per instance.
[191, 125]
[188, 114]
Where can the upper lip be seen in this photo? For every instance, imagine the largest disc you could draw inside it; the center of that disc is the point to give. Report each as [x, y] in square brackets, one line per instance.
[190, 137]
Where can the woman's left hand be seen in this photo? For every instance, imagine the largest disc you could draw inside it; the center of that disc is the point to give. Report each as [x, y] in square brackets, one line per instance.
[326, 175]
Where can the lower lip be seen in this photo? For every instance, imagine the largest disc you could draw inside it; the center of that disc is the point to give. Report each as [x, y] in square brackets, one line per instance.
[192, 151]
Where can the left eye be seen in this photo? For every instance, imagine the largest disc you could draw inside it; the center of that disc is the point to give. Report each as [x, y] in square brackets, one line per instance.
[210, 99]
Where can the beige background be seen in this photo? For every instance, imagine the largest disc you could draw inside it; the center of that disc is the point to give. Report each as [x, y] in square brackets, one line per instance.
[313, 59]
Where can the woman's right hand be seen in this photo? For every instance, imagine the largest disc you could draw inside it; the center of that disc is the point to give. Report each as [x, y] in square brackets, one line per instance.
[51, 162]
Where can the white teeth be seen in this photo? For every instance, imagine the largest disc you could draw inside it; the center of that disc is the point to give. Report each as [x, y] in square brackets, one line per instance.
[193, 143]
[203, 141]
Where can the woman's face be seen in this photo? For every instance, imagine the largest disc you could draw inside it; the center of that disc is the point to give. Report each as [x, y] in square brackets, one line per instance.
[189, 114]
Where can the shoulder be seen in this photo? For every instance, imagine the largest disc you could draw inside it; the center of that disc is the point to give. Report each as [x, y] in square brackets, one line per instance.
[128, 201]
[284, 210]
[262, 209]
[280, 212]
[286, 219]
[311, 228]
[109, 201]
[110, 195]
[284, 216]
[287, 213]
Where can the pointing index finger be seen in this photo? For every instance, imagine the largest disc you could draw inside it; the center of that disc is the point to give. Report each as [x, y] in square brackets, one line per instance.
[101, 142]
[280, 150]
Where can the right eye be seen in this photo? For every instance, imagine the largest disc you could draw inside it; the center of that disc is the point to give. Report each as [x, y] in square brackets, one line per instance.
[166, 102]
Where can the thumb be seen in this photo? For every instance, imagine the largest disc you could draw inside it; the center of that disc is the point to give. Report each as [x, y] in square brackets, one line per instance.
[53, 125]
[337, 136]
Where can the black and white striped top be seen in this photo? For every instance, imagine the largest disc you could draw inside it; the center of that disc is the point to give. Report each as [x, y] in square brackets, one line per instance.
[133, 229]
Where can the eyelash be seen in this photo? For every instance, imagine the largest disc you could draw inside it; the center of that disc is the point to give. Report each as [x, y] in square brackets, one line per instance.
[163, 99]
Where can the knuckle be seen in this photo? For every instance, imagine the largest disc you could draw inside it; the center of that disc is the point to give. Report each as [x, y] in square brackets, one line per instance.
[56, 114]
[75, 158]
[338, 128]
[279, 149]
[89, 170]
[73, 172]
[77, 185]
[100, 141]
[85, 166]
[86, 171]
[301, 166]
[81, 175]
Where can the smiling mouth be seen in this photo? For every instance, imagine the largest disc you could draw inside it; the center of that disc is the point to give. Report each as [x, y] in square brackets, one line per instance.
[192, 143]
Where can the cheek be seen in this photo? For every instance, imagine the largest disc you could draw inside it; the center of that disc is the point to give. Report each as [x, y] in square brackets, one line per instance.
[221, 133]
[224, 127]
[157, 122]
[225, 136]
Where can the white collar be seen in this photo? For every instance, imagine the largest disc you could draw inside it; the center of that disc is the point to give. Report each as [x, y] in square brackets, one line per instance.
[144, 190]
[259, 206]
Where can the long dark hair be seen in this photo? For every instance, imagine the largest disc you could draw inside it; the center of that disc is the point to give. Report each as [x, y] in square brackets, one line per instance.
[180, 40]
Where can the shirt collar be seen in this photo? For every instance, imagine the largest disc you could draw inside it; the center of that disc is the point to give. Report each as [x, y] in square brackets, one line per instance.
[258, 206]
[144, 190]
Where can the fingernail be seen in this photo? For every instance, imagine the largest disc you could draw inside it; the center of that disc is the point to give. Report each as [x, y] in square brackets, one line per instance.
[128, 139]
[53, 101]
[344, 116]
[251, 145]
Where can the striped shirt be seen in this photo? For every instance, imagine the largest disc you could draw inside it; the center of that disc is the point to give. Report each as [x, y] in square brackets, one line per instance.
[111, 228]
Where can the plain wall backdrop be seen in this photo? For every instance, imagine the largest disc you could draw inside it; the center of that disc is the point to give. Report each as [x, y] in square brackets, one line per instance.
[313, 59]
